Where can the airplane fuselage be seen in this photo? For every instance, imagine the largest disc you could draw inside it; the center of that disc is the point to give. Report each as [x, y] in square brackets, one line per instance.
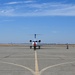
[35, 44]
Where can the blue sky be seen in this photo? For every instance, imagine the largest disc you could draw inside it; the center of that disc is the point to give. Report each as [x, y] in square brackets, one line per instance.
[54, 20]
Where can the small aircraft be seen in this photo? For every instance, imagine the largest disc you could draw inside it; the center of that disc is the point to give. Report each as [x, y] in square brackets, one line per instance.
[35, 44]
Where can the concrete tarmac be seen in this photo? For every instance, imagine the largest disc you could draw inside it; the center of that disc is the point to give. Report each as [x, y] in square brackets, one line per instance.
[44, 61]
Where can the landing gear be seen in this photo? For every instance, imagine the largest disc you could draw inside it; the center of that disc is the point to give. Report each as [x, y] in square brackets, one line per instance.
[30, 47]
[39, 47]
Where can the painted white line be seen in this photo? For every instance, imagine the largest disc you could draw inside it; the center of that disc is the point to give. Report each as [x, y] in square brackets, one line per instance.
[19, 66]
[36, 65]
[55, 66]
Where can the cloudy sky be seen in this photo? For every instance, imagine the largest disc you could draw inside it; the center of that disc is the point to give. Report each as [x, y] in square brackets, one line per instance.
[54, 20]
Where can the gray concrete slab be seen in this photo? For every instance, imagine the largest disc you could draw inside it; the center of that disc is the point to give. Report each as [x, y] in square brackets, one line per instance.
[51, 61]
[57, 61]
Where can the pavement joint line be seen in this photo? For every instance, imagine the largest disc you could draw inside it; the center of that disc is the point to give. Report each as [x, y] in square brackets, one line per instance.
[44, 69]
[19, 66]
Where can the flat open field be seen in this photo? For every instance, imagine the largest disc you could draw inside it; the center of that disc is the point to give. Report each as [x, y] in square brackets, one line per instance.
[49, 60]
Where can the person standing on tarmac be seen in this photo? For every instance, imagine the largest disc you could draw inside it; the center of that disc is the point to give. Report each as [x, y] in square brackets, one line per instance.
[34, 45]
[67, 46]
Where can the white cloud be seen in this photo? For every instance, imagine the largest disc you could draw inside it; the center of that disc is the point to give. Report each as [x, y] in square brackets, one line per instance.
[7, 12]
[19, 2]
[29, 1]
[35, 9]
[13, 3]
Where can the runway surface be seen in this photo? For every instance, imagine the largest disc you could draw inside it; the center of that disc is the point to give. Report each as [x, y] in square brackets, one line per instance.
[45, 61]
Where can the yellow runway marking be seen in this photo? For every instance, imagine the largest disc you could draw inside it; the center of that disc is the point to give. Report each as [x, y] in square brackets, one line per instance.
[19, 66]
[36, 65]
[55, 66]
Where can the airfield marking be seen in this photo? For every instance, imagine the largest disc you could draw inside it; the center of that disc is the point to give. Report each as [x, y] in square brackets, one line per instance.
[36, 65]
[19, 66]
[44, 69]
